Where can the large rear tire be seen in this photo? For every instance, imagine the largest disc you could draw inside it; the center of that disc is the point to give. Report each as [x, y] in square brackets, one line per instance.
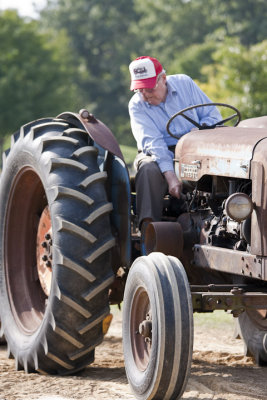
[55, 248]
[157, 327]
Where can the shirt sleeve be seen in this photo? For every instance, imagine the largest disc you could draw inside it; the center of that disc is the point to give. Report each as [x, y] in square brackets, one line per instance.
[149, 138]
[209, 114]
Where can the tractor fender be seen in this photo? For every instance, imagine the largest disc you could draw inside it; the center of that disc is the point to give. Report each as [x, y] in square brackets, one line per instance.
[98, 131]
[118, 181]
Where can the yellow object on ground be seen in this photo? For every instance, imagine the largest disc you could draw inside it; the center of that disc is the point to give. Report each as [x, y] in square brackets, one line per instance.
[106, 323]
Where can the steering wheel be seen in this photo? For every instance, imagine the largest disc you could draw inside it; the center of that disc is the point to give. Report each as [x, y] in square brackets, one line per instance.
[219, 123]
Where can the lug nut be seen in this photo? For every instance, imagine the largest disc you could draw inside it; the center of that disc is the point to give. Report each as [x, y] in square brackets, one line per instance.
[48, 263]
[44, 258]
[211, 302]
[145, 328]
[44, 244]
[48, 236]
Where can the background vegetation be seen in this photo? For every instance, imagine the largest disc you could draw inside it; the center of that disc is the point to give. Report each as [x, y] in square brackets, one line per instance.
[77, 54]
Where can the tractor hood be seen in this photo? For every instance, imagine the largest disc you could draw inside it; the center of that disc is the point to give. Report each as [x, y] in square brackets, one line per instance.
[225, 151]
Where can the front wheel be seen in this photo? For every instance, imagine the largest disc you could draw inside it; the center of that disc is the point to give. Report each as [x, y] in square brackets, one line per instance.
[157, 327]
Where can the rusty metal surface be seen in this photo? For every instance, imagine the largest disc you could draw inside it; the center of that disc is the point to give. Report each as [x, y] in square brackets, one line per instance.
[230, 261]
[164, 237]
[259, 198]
[98, 131]
[257, 221]
[223, 151]
[229, 301]
[228, 287]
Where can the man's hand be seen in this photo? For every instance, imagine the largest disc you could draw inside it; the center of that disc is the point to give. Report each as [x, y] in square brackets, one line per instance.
[174, 185]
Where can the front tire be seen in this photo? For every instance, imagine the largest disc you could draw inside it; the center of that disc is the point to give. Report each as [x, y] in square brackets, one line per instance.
[55, 248]
[157, 327]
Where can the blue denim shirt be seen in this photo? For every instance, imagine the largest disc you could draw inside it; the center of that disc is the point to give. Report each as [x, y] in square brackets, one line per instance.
[148, 122]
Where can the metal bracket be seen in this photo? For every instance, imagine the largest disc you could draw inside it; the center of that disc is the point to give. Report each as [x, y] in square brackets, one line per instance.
[236, 300]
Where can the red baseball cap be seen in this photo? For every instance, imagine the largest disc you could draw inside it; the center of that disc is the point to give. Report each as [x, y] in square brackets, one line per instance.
[144, 72]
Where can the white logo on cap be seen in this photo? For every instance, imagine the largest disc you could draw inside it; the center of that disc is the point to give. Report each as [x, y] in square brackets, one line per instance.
[142, 69]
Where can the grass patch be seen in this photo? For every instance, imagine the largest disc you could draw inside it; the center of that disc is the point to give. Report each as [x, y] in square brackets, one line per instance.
[129, 153]
[215, 319]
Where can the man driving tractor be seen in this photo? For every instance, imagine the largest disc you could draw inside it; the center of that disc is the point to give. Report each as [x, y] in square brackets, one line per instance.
[157, 97]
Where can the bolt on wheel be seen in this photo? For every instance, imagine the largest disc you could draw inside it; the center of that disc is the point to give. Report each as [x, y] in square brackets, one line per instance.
[141, 329]
[44, 251]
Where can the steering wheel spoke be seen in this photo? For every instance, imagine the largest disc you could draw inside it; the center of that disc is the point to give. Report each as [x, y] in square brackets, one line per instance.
[227, 119]
[191, 120]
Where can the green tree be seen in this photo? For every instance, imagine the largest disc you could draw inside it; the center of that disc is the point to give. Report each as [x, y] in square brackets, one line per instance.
[34, 82]
[239, 76]
[102, 42]
[173, 26]
[185, 33]
[191, 60]
[245, 20]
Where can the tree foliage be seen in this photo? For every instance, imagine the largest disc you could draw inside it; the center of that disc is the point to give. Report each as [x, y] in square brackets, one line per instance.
[77, 55]
[185, 33]
[101, 40]
[239, 75]
[33, 80]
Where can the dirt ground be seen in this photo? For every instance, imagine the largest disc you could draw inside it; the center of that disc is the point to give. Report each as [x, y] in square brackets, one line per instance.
[220, 371]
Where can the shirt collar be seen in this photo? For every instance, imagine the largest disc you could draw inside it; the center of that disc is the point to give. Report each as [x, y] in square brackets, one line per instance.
[170, 86]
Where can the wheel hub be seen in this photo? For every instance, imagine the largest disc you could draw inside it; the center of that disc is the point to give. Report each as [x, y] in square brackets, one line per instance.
[44, 251]
[141, 328]
[145, 329]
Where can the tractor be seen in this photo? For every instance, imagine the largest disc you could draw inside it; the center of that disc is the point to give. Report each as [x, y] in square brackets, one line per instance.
[70, 246]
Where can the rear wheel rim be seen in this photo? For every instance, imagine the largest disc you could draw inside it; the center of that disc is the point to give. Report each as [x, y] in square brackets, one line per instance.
[26, 204]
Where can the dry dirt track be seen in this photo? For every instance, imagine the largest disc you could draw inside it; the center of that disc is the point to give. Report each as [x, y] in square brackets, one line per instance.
[219, 371]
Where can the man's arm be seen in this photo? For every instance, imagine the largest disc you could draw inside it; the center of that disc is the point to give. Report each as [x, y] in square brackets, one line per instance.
[149, 138]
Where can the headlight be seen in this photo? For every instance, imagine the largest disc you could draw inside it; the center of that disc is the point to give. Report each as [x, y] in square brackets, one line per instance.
[239, 206]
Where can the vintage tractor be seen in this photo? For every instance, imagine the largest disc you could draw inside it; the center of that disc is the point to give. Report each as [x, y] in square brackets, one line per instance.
[70, 246]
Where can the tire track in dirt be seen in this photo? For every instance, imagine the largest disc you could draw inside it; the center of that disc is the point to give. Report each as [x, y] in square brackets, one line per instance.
[219, 372]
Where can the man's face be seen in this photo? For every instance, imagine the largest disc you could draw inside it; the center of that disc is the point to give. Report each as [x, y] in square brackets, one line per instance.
[156, 95]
